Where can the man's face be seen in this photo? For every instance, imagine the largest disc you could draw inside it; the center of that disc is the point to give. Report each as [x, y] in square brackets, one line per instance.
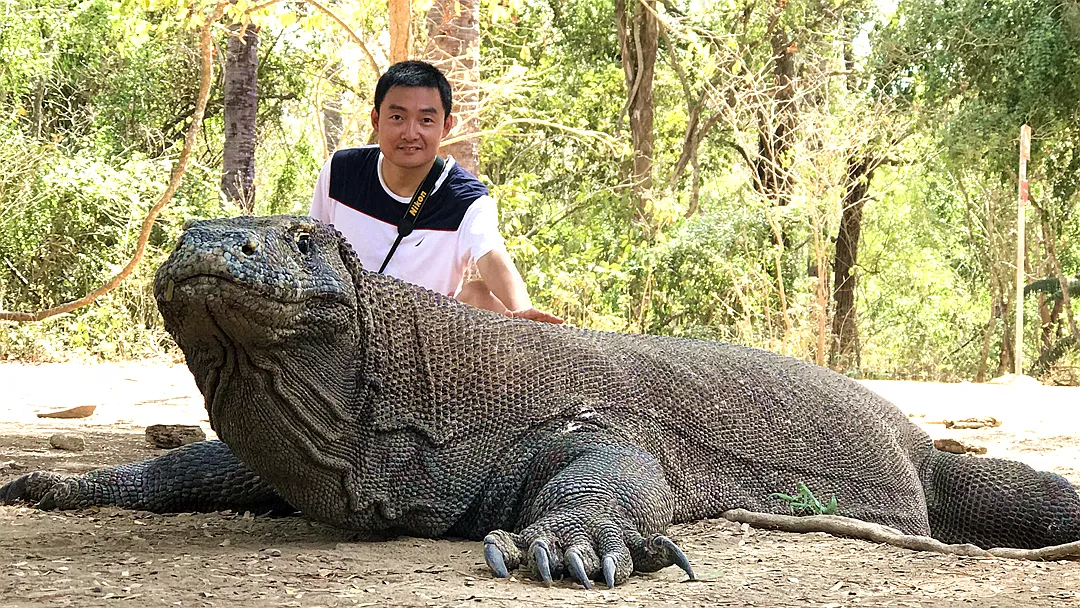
[410, 124]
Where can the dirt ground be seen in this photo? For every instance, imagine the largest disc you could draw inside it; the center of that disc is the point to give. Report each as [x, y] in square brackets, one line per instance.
[109, 557]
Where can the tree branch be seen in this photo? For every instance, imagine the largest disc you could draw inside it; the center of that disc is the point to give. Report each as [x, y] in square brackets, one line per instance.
[352, 34]
[205, 41]
[604, 138]
[854, 528]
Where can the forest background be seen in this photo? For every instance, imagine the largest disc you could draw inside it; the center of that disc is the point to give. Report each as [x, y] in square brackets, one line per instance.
[835, 180]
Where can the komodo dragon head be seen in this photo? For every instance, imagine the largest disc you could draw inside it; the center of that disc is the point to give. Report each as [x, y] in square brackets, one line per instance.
[245, 287]
[265, 310]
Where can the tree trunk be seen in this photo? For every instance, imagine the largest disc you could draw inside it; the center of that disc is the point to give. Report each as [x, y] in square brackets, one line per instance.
[1005, 356]
[776, 126]
[454, 46]
[821, 288]
[1055, 263]
[37, 115]
[845, 326]
[400, 30]
[639, 33]
[241, 106]
[988, 335]
[333, 121]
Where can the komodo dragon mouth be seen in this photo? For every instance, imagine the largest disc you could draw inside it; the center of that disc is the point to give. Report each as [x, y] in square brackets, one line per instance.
[243, 312]
[246, 266]
[205, 284]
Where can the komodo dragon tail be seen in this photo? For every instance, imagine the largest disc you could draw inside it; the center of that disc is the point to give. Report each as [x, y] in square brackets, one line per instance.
[998, 503]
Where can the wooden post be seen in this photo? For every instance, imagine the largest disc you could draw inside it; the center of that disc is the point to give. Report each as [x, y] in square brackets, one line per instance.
[1025, 153]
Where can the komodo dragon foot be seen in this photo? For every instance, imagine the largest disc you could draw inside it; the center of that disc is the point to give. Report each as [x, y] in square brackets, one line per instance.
[202, 476]
[42, 488]
[601, 515]
[505, 551]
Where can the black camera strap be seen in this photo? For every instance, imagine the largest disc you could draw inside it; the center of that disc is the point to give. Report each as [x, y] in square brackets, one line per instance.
[408, 221]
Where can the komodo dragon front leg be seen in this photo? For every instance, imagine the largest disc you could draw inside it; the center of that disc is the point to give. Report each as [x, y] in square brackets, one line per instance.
[202, 476]
[589, 507]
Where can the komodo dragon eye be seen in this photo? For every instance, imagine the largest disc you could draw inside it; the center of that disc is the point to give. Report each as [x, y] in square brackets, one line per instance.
[303, 242]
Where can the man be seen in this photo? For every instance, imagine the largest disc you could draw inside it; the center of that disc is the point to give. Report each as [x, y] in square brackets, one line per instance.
[365, 191]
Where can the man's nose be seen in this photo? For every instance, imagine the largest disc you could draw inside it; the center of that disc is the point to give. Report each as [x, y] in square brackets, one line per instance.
[411, 130]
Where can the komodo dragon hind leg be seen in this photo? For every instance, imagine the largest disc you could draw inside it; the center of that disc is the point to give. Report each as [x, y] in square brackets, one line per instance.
[202, 476]
[597, 511]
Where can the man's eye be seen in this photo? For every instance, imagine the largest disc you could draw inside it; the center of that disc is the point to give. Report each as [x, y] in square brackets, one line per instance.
[303, 242]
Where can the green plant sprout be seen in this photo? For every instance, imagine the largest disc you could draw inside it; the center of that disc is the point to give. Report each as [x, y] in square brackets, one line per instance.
[803, 502]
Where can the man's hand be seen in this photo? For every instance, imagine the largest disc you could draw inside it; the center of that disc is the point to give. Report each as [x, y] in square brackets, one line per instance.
[534, 315]
[502, 290]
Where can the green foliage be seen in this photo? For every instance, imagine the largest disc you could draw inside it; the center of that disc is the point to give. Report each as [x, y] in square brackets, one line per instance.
[293, 170]
[710, 275]
[987, 68]
[803, 502]
[975, 72]
[94, 101]
[921, 299]
[95, 97]
[1051, 287]
[70, 227]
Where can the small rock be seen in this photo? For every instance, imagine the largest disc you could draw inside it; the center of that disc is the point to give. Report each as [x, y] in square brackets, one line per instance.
[68, 441]
[76, 412]
[973, 423]
[174, 435]
[955, 447]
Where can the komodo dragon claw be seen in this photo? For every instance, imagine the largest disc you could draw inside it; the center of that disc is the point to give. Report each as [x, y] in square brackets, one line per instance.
[36, 488]
[542, 559]
[505, 552]
[609, 571]
[672, 554]
[577, 567]
[494, 558]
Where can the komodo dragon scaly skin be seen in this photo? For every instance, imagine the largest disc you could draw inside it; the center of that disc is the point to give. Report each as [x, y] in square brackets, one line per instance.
[373, 405]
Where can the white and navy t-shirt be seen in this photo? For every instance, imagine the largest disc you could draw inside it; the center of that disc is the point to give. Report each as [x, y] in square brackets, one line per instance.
[458, 224]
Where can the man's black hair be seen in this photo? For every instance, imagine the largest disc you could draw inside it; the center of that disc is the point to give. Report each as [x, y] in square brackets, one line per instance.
[414, 74]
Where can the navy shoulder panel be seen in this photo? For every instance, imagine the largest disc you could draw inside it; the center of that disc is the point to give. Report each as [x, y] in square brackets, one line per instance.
[354, 182]
[448, 205]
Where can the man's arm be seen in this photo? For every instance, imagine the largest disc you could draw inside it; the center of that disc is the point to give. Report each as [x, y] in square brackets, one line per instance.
[502, 278]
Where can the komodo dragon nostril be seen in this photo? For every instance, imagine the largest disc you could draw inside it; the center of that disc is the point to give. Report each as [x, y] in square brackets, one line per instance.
[250, 246]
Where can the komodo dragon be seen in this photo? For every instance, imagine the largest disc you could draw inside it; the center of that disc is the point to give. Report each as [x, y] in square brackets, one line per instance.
[373, 405]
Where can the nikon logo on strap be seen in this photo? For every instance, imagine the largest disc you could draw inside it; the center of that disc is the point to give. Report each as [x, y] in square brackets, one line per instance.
[414, 209]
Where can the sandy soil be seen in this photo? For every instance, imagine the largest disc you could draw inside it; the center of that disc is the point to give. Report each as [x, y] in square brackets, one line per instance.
[108, 557]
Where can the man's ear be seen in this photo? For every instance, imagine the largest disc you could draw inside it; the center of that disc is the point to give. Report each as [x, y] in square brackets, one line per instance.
[448, 124]
[375, 119]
